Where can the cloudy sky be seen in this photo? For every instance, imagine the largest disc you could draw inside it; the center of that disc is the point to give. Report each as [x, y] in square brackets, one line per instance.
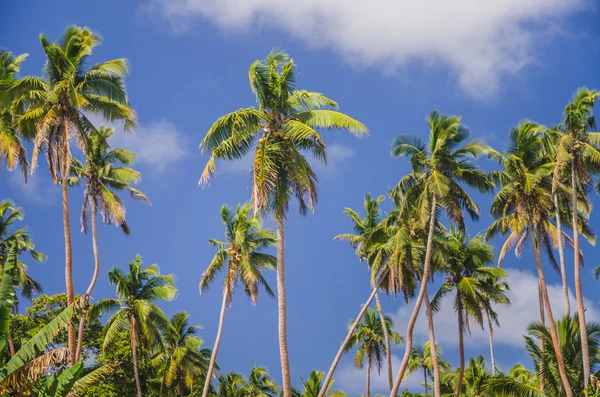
[388, 63]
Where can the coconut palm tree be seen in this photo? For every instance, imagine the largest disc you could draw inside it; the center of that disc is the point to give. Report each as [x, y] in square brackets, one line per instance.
[104, 174]
[314, 384]
[55, 111]
[260, 384]
[241, 253]
[579, 150]
[230, 385]
[180, 360]
[421, 359]
[499, 297]
[522, 209]
[11, 147]
[434, 184]
[135, 309]
[467, 274]
[369, 338]
[283, 126]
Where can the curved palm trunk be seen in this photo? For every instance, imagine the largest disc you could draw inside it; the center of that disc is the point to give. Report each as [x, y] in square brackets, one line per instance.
[88, 292]
[437, 388]
[491, 335]
[71, 340]
[283, 349]
[419, 300]
[386, 336]
[585, 352]
[542, 345]
[461, 346]
[338, 356]
[133, 339]
[425, 376]
[368, 389]
[551, 324]
[213, 356]
[561, 257]
[11, 344]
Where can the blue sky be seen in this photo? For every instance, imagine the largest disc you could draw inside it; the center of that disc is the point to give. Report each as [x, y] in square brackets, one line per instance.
[387, 64]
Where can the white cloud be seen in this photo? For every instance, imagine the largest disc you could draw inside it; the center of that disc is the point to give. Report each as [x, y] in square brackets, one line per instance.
[479, 40]
[514, 319]
[39, 188]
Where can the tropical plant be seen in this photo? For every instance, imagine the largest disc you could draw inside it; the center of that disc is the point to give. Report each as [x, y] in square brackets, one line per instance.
[284, 125]
[434, 183]
[104, 174]
[241, 253]
[313, 385]
[498, 297]
[230, 385]
[134, 308]
[421, 359]
[55, 109]
[259, 384]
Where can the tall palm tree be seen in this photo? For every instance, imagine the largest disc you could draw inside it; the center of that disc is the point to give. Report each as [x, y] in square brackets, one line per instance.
[241, 253]
[467, 274]
[11, 147]
[181, 360]
[499, 297]
[579, 149]
[104, 174]
[522, 209]
[283, 126]
[135, 309]
[314, 384]
[260, 384]
[55, 109]
[369, 338]
[437, 170]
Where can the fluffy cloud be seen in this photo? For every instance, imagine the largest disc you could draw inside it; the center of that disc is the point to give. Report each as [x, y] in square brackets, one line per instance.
[39, 188]
[513, 319]
[480, 41]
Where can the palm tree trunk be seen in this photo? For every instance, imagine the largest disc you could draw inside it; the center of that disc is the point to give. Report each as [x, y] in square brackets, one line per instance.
[585, 352]
[491, 334]
[386, 336]
[133, 337]
[551, 324]
[338, 356]
[419, 300]
[283, 349]
[561, 257]
[437, 388]
[11, 344]
[461, 346]
[368, 390]
[88, 292]
[425, 376]
[542, 344]
[213, 356]
[72, 338]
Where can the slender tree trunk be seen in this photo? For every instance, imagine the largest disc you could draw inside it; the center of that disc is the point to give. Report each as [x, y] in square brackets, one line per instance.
[283, 347]
[461, 346]
[561, 257]
[133, 337]
[368, 390]
[585, 352]
[437, 387]
[88, 292]
[342, 349]
[213, 356]
[542, 344]
[72, 338]
[386, 336]
[551, 324]
[491, 334]
[425, 376]
[419, 300]
[11, 344]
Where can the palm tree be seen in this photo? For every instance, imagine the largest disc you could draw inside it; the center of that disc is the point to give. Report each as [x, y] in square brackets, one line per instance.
[314, 384]
[284, 125]
[498, 297]
[467, 274]
[55, 109]
[135, 309]
[369, 337]
[579, 149]
[230, 385]
[421, 358]
[11, 146]
[180, 360]
[104, 174]
[522, 208]
[242, 253]
[260, 384]
[433, 184]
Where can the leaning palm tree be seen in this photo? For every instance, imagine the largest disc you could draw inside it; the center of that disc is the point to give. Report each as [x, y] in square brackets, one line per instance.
[241, 253]
[467, 274]
[260, 384]
[579, 150]
[523, 207]
[55, 109]
[134, 308]
[104, 174]
[437, 169]
[285, 124]
[369, 338]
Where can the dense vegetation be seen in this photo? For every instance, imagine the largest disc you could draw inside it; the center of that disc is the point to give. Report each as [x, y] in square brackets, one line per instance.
[541, 189]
